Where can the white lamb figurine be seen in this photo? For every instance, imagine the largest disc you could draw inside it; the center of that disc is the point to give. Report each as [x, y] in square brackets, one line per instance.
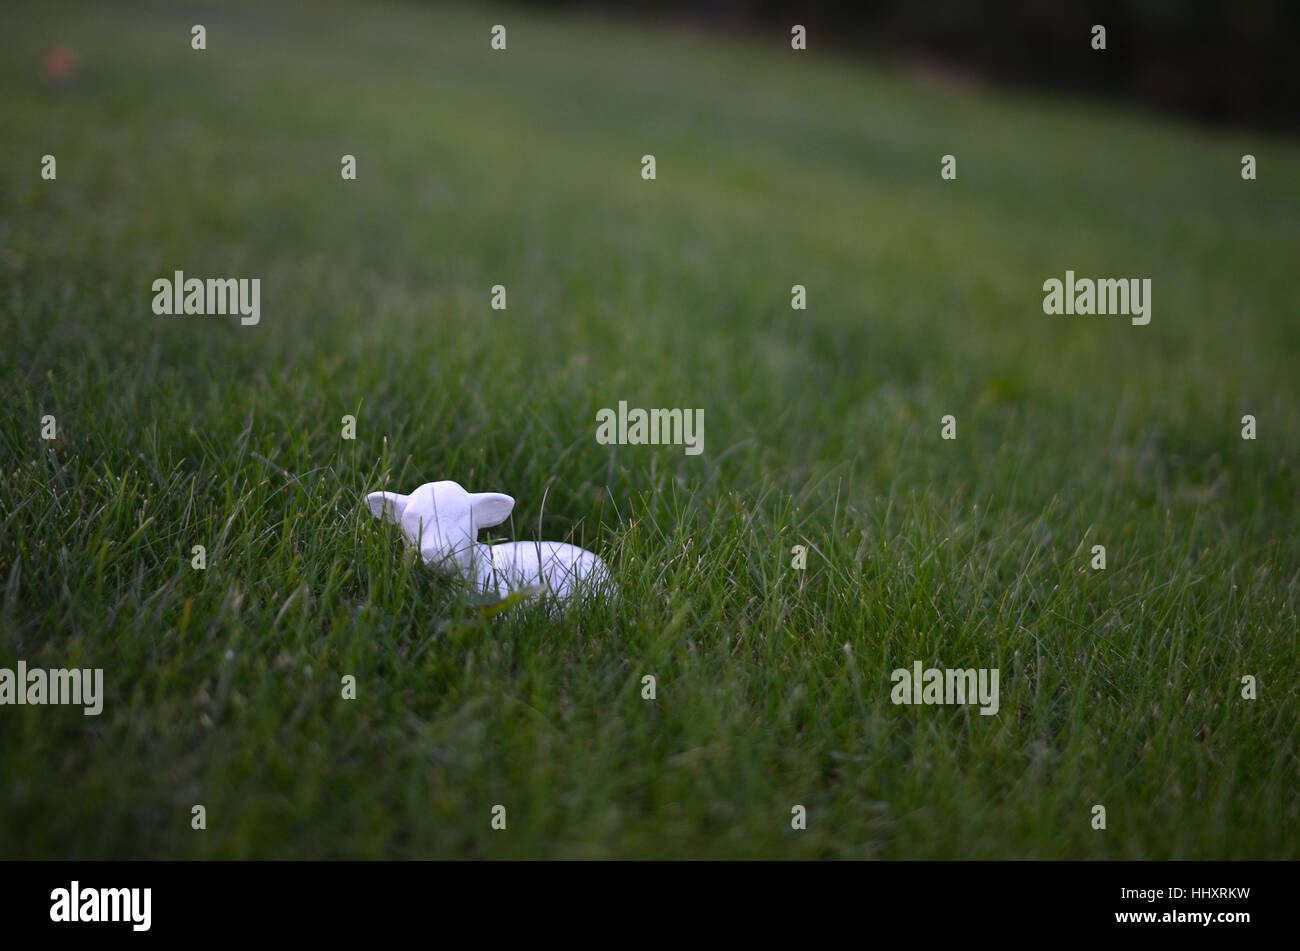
[442, 520]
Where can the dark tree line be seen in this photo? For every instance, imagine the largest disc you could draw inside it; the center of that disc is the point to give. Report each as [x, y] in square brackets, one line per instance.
[1233, 61]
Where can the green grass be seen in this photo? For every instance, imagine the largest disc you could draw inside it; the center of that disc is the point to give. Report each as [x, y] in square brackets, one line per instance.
[1119, 687]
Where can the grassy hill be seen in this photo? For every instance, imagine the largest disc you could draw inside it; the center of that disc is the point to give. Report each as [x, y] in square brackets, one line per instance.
[522, 168]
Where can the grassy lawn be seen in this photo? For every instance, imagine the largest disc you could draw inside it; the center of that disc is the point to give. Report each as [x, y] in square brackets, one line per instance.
[1119, 687]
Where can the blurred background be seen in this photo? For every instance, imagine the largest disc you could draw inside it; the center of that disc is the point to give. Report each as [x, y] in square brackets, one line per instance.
[1222, 62]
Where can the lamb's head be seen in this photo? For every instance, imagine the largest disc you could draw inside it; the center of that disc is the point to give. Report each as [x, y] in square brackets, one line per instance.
[442, 520]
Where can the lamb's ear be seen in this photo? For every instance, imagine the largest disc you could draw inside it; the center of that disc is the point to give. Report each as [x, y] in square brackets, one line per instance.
[387, 505]
[490, 508]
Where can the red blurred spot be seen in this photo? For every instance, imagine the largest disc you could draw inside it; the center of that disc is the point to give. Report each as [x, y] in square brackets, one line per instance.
[60, 63]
